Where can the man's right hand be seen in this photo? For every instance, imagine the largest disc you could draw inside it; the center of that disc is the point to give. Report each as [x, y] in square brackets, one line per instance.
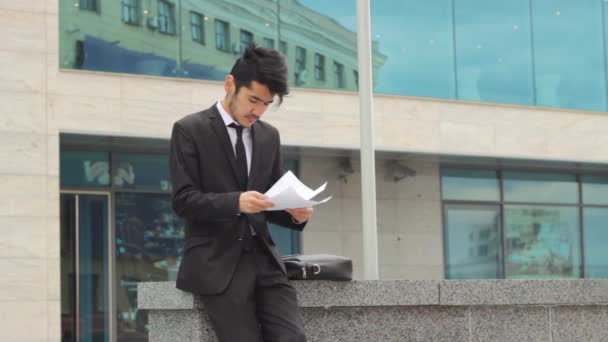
[252, 202]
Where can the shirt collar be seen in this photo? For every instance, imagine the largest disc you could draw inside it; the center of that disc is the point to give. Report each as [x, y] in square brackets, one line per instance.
[225, 116]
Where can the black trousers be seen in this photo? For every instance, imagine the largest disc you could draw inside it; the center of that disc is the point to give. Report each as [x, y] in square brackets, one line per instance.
[259, 305]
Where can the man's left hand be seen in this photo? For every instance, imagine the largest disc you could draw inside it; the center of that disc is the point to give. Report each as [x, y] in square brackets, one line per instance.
[300, 215]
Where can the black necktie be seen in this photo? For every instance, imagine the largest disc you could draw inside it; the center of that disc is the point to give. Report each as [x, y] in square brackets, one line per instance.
[241, 157]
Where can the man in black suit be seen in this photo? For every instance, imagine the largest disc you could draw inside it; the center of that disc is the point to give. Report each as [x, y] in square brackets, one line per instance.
[222, 161]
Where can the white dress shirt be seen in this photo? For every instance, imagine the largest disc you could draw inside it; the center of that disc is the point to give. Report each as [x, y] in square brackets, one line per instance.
[247, 141]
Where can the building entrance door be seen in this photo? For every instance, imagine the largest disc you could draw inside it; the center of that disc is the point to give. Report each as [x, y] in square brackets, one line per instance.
[86, 267]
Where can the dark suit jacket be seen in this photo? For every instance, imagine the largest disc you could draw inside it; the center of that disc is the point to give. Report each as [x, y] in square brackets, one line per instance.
[206, 195]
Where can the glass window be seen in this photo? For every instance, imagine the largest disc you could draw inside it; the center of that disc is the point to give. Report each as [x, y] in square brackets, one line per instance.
[246, 40]
[471, 185]
[300, 70]
[473, 241]
[596, 238]
[415, 38]
[283, 47]
[222, 35]
[339, 73]
[595, 190]
[149, 242]
[493, 51]
[197, 27]
[85, 169]
[130, 11]
[540, 187]
[89, 5]
[269, 43]
[542, 242]
[566, 79]
[166, 17]
[141, 171]
[356, 77]
[319, 67]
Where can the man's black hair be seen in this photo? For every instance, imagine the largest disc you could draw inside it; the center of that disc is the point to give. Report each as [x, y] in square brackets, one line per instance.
[263, 65]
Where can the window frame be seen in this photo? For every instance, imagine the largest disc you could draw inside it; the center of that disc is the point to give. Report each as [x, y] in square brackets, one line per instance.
[198, 27]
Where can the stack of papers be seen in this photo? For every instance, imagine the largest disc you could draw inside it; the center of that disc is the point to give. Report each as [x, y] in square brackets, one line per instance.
[290, 193]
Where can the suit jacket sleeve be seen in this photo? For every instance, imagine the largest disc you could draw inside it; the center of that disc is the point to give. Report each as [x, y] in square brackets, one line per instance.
[189, 201]
[281, 217]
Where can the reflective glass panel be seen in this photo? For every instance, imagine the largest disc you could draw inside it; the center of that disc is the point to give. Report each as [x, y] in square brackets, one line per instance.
[493, 51]
[414, 40]
[542, 242]
[569, 54]
[596, 239]
[473, 185]
[595, 190]
[540, 187]
[141, 171]
[472, 241]
[85, 169]
[149, 243]
[93, 271]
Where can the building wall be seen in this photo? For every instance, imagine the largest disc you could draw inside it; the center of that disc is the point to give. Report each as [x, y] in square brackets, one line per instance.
[39, 101]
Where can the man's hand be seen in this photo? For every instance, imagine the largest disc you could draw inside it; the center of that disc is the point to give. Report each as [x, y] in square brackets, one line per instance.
[300, 215]
[252, 202]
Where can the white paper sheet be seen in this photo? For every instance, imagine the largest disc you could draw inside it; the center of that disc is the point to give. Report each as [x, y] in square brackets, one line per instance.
[289, 192]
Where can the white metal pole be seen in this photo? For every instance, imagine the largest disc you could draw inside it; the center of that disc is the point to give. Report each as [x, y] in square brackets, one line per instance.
[368, 171]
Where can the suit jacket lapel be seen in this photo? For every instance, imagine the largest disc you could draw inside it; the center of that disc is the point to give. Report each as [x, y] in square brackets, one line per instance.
[256, 154]
[222, 133]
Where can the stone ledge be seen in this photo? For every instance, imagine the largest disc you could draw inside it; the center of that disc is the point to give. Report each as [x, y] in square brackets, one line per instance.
[325, 294]
[524, 292]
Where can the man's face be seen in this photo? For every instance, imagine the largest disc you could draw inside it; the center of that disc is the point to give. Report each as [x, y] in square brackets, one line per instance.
[248, 105]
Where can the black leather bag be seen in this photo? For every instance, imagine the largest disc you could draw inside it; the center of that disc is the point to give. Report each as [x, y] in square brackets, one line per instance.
[318, 267]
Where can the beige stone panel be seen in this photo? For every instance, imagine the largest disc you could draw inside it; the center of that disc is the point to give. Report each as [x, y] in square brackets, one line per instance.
[386, 188]
[52, 195]
[583, 139]
[22, 71]
[423, 186]
[22, 112]
[53, 315]
[53, 236]
[389, 248]
[80, 83]
[340, 102]
[206, 93]
[22, 31]
[421, 249]
[52, 33]
[407, 272]
[152, 119]
[297, 128]
[53, 275]
[23, 280]
[23, 195]
[23, 237]
[408, 135]
[25, 6]
[386, 218]
[326, 217]
[419, 216]
[322, 243]
[475, 139]
[23, 321]
[304, 100]
[389, 108]
[158, 89]
[52, 6]
[341, 129]
[83, 114]
[23, 153]
[350, 213]
[351, 186]
[353, 248]
[52, 155]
